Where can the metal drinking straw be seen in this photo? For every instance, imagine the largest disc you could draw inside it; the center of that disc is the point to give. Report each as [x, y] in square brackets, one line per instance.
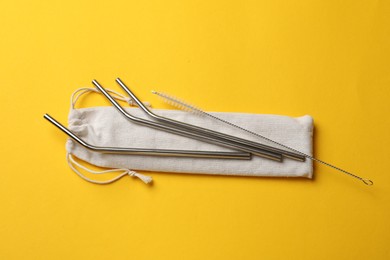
[205, 131]
[185, 132]
[152, 152]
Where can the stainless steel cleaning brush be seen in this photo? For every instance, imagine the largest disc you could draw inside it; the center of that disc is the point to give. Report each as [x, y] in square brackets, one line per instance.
[181, 104]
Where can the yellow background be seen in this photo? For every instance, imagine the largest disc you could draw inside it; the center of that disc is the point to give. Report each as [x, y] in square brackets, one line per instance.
[329, 59]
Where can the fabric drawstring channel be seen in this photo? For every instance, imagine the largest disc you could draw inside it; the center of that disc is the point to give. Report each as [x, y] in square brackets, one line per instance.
[73, 164]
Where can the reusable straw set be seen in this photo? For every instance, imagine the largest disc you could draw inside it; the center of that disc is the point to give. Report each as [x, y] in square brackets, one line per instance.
[231, 152]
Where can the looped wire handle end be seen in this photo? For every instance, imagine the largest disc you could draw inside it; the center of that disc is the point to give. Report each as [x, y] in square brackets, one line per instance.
[367, 182]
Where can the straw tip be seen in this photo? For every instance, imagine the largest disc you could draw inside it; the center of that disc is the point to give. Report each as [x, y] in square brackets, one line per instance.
[97, 85]
[154, 92]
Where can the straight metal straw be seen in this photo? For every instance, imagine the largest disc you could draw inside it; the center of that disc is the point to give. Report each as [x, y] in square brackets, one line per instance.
[184, 132]
[153, 152]
[205, 131]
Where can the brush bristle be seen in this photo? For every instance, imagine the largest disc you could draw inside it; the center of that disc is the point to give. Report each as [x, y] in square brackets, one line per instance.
[176, 102]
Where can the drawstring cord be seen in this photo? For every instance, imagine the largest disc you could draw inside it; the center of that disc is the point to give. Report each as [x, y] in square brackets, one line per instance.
[81, 91]
[73, 164]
